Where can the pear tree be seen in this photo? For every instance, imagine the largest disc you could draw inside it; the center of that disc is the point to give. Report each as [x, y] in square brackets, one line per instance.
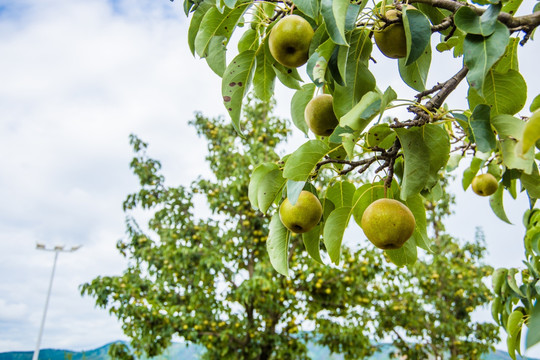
[370, 155]
[207, 279]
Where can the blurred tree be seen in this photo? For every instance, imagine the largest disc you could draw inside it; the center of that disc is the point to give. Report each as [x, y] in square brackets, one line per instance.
[429, 304]
[209, 281]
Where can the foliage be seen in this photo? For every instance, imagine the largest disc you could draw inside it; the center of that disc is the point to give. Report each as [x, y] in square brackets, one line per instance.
[428, 307]
[408, 153]
[483, 35]
[517, 292]
[209, 281]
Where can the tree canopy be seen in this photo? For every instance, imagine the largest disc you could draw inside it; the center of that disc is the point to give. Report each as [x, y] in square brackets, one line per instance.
[209, 281]
[401, 158]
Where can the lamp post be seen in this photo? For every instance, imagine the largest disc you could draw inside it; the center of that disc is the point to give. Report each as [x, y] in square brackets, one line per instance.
[57, 249]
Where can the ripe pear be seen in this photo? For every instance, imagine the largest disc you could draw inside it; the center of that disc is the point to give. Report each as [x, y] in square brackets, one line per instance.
[485, 184]
[304, 215]
[289, 41]
[319, 115]
[391, 39]
[388, 223]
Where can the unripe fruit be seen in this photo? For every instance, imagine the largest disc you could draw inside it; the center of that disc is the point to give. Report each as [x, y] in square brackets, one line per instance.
[319, 115]
[289, 41]
[304, 215]
[387, 223]
[485, 184]
[391, 39]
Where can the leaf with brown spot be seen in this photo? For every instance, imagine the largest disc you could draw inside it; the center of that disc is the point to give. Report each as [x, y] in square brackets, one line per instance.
[244, 65]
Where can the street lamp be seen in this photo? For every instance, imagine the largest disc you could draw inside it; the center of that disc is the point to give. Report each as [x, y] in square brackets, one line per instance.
[57, 249]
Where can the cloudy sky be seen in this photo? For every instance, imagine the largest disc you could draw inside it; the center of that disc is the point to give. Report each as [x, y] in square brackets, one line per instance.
[76, 78]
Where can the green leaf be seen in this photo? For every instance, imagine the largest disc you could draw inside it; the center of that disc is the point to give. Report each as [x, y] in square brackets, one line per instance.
[195, 23]
[312, 243]
[417, 32]
[359, 80]
[341, 193]
[533, 334]
[334, 13]
[498, 279]
[496, 203]
[334, 228]
[387, 98]
[352, 15]
[380, 135]
[496, 308]
[257, 176]
[277, 245]
[471, 171]
[236, 81]
[288, 77]
[511, 133]
[531, 183]
[480, 53]
[337, 64]
[230, 3]
[337, 135]
[505, 93]
[415, 74]
[264, 77]
[299, 102]
[406, 255]
[216, 55]
[511, 280]
[535, 105]
[511, 346]
[453, 162]
[415, 203]
[430, 142]
[514, 323]
[308, 7]
[531, 133]
[454, 42]
[363, 112]
[215, 23]
[302, 162]
[481, 127]
[269, 187]
[508, 126]
[318, 62]
[294, 188]
[467, 20]
[509, 61]
[511, 6]
[248, 41]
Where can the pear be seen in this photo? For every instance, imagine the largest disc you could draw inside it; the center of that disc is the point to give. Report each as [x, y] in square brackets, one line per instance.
[319, 115]
[485, 184]
[391, 39]
[289, 41]
[388, 223]
[304, 215]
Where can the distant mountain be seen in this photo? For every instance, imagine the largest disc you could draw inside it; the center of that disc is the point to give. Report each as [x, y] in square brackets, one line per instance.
[191, 352]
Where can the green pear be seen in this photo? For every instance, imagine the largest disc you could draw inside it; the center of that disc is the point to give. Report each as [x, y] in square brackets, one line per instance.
[319, 115]
[485, 184]
[388, 223]
[289, 41]
[304, 215]
[391, 39]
